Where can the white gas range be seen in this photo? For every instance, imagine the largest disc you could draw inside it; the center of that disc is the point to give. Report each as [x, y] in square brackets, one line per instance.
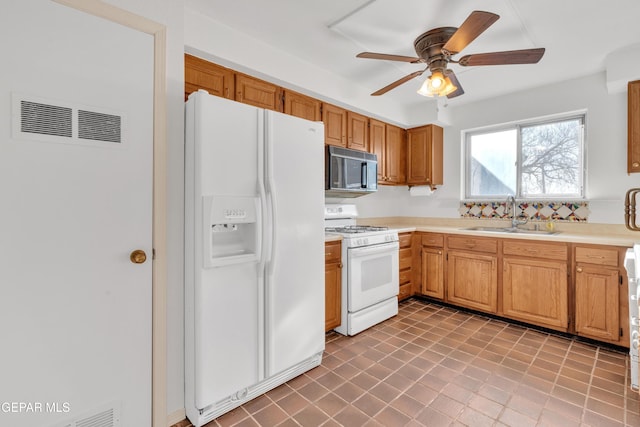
[370, 270]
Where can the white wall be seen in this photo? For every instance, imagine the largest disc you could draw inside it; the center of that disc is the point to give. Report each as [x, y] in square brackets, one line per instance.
[213, 40]
[606, 145]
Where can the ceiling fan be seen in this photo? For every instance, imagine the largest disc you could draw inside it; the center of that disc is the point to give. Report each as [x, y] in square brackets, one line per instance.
[436, 47]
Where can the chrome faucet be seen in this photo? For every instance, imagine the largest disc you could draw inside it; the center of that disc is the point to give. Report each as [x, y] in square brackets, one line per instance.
[511, 205]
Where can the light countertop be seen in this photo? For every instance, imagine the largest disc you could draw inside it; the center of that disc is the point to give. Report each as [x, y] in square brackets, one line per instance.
[602, 234]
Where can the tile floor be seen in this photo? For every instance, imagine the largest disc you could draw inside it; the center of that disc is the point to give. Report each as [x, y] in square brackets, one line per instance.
[436, 366]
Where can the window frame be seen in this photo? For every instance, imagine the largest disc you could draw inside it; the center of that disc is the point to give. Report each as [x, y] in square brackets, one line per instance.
[518, 125]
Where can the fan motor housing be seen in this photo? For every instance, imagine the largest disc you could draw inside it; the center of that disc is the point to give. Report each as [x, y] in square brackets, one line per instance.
[430, 44]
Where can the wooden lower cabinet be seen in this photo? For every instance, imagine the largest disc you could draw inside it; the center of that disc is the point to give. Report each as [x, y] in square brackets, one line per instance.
[535, 283]
[535, 291]
[332, 284]
[597, 303]
[601, 294]
[432, 263]
[405, 270]
[472, 280]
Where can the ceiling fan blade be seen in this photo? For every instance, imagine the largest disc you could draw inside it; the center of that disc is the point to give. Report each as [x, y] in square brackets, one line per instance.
[397, 83]
[472, 27]
[524, 56]
[456, 83]
[372, 55]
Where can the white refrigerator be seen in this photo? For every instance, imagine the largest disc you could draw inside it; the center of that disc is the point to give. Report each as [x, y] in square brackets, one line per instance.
[254, 252]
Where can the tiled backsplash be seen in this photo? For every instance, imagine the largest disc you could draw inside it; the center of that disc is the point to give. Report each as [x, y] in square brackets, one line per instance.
[536, 211]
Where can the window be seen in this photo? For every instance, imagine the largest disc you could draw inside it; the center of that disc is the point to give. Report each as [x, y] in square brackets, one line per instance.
[532, 160]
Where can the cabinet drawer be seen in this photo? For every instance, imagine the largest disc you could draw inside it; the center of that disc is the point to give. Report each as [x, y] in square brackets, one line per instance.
[598, 256]
[405, 240]
[535, 249]
[404, 277]
[332, 252]
[433, 239]
[473, 244]
[405, 258]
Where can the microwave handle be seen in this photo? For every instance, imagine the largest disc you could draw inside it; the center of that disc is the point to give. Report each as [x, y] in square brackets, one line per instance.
[364, 182]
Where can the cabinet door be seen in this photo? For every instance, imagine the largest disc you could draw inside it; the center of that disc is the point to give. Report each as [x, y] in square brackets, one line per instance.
[335, 125]
[633, 123]
[432, 272]
[424, 155]
[597, 302]
[259, 93]
[472, 280]
[378, 145]
[535, 291]
[395, 155]
[201, 74]
[302, 106]
[332, 285]
[357, 131]
[332, 297]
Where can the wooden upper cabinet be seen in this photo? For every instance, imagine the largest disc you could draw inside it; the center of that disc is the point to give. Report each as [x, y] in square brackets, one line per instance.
[335, 125]
[633, 121]
[302, 106]
[424, 155]
[357, 131]
[259, 93]
[396, 155]
[201, 74]
[378, 146]
[388, 143]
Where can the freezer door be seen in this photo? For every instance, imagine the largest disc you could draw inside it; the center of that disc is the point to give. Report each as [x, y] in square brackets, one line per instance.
[224, 326]
[295, 262]
[227, 332]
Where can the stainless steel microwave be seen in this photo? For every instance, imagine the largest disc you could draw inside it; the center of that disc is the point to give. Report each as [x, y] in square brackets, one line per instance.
[350, 173]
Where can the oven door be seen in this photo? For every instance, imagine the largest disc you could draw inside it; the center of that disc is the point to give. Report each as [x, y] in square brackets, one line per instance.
[372, 275]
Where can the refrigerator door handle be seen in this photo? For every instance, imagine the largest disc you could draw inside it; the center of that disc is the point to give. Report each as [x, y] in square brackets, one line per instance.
[270, 223]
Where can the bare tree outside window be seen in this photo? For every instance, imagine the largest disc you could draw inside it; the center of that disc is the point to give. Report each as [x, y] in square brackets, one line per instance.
[541, 160]
[551, 159]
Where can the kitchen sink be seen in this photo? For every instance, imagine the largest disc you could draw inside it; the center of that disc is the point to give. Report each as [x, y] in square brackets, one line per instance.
[516, 230]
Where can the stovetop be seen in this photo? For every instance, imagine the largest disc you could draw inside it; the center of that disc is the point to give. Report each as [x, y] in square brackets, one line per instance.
[349, 229]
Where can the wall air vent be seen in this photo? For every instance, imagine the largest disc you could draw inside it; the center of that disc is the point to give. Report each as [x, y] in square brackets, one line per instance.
[44, 120]
[99, 126]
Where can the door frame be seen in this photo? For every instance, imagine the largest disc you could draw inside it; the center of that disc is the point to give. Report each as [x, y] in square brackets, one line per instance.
[159, 216]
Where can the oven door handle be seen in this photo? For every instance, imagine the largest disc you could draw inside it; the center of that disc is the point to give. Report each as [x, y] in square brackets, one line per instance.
[375, 249]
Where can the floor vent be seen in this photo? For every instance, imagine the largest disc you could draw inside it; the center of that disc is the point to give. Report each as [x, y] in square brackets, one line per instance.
[39, 119]
[104, 416]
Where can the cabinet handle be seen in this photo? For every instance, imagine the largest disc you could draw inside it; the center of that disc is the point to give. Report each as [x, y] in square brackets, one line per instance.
[579, 269]
[635, 164]
[595, 256]
[439, 252]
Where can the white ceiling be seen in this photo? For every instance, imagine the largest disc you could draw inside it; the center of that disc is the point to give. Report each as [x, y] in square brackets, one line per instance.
[578, 36]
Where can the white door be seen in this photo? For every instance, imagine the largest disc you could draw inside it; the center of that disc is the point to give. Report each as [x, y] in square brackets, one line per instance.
[75, 311]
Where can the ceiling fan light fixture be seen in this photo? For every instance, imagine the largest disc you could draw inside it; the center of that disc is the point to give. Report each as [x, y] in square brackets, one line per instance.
[437, 84]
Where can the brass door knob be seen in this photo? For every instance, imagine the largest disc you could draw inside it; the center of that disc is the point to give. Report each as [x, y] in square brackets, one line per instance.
[138, 256]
